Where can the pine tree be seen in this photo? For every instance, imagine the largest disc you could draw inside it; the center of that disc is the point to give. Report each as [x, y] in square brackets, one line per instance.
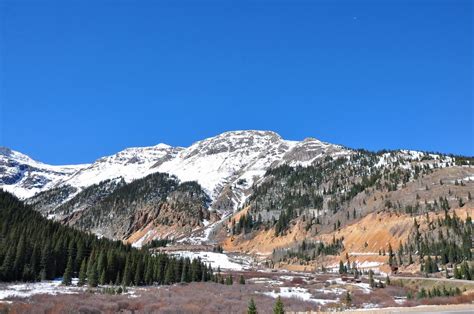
[242, 280]
[229, 280]
[46, 263]
[371, 279]
[278, 308]
[118, 279]
[102, 278]
[20, 257]
[138, 274]
[82, 273]
[348, 298]
[92, 273]
[67, 276]
[7, 265]
[252, 308]
[126, 274]
[101, 267]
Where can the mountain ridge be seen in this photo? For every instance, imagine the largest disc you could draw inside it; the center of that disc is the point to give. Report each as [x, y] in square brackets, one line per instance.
[279, 179]
[252, 150]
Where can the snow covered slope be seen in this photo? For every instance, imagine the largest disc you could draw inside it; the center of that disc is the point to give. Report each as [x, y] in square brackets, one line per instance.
[130, 164]
[24, 177]
[228, 158]
[226, 165]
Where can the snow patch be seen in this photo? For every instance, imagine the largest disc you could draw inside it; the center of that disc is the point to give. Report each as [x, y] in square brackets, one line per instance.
[297, 293]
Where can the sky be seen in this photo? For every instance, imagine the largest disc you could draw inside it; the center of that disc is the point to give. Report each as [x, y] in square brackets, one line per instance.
[84, 79]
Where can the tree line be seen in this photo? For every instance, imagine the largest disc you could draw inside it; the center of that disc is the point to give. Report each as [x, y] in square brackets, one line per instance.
[33, 248]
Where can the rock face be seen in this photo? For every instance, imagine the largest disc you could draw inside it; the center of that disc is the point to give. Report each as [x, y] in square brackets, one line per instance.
[118, 210]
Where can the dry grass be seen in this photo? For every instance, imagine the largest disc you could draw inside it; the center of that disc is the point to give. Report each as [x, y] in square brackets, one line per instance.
[191, 298]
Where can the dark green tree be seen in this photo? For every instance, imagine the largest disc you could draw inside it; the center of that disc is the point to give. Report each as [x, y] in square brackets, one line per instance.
[279, 307]
[252, 308]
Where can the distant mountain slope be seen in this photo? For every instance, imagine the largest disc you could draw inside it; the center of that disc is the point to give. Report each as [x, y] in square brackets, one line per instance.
[24, 177]
[292, 204]
[279, 181]
[157, 203]
[226, 166]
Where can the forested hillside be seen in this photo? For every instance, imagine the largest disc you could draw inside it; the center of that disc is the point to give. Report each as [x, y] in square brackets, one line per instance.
[33, 248]
[336, 191]
[117, 210]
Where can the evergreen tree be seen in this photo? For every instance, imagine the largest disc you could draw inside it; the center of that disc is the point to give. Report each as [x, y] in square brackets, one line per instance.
[138, 274]
[67, 276]
[82, 273]
[20, 257]
[348, 298]
[371, 279]
[47, 268]
[242, 280]
[252, 308]
[118, 279]
[126, 280]
[102, 278]
[278, 308]
[92, 275]
[6, 270]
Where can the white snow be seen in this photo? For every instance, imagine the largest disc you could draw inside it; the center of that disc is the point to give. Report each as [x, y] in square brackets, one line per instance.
[267, 281]
[215, 259]
[297, 293]
[148, 236]
[35, 177]
[24, 290]
[468, 178]
[367, 264]
[365, 287]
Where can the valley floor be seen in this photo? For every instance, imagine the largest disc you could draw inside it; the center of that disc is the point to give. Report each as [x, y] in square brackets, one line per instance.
[300, 292]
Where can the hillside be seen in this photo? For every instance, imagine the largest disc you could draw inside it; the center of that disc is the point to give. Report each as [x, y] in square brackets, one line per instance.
[33, 248]
[367, 201]
[319, 186]
[157, 203]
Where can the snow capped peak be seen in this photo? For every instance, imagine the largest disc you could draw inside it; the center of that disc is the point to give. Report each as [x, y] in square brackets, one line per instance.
[225, 165]
[24, 177]
[130, 164]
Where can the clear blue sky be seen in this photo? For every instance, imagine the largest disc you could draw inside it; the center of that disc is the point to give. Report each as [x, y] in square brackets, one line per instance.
[83, 79]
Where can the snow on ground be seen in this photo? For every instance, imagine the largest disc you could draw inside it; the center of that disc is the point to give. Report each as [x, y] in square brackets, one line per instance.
[24, 290]
[363, 253]
[263, 280]
[215, 259]
[53, 287]
[298, 293]
[148, 236]
[338, 291]
[365, 287]
[469, 178]
[367, 264]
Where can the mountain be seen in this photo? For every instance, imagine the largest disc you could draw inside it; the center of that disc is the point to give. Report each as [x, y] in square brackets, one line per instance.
[276, 180]
[226, 166]
[24, 177]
